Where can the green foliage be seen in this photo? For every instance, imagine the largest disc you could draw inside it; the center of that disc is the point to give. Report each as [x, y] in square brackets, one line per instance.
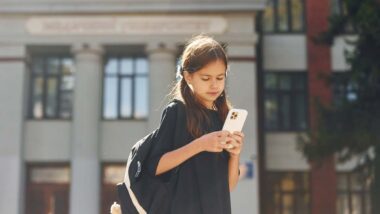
[351, 127]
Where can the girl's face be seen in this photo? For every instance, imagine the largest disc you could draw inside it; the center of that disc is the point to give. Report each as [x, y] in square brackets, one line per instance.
[208, 83]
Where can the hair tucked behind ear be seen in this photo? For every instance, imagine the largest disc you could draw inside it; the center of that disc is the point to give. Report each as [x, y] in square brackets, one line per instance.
[199, 52]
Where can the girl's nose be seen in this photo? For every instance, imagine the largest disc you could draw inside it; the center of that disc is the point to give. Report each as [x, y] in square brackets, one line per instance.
[214, 83]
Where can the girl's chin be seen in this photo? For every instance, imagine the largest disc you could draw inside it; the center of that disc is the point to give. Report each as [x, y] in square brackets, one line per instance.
[208, 103]
[207, 100]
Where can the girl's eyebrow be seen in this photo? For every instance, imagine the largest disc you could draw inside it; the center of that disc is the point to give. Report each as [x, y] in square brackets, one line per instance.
[208, 75]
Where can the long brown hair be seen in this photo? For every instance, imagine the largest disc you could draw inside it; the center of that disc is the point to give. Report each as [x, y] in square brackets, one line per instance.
[199, 52]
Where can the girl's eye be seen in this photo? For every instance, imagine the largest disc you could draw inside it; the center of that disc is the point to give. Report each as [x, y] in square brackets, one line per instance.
[220, 78]
[205, 79]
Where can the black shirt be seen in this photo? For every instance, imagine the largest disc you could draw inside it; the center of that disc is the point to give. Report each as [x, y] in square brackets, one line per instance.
[202, 184]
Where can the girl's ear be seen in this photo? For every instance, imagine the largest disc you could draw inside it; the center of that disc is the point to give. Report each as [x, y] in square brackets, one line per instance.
[187, 77]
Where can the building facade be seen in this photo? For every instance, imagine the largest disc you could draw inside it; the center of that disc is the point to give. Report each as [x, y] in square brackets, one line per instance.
[292, 66]
[81, 81]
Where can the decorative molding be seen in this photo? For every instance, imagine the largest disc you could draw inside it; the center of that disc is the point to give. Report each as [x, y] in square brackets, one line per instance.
[124, 25]
[12, 59]
[161, 47]
[130, 6]
[86, 48]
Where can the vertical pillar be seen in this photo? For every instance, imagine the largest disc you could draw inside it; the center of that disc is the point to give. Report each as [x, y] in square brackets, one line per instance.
[242, 90]
[323, 177]
[85, 166]
[162, 69]
[12, 82]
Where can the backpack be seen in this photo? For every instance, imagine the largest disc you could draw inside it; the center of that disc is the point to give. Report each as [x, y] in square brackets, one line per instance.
[142, 193]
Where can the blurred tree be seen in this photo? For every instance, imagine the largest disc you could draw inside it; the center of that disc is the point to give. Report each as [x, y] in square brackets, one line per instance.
[350, 125]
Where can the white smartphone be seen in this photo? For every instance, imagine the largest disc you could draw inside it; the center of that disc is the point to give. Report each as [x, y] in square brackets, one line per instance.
[235, 120]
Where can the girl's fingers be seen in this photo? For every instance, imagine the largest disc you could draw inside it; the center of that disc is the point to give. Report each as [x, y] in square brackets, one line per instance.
[238, 139]
[229, 147]
[240, 134]
[234, 150]
[224, 137]
[223, 133]
[228, 141]
[221, 146]
[234, 144]
[235, 139]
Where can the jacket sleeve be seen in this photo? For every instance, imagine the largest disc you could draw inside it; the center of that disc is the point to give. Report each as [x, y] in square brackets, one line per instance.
[163, 141]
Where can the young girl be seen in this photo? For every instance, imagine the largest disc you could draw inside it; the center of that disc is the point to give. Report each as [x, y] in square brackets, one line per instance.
[208, 161]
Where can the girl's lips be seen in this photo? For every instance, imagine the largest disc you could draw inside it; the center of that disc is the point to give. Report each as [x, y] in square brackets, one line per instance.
[213, 93]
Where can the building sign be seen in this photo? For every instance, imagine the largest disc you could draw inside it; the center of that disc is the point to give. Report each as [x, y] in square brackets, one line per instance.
[123, 25]
[247, 170]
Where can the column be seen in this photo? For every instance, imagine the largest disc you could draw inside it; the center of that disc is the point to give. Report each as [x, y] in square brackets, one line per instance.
[323, 175]
[85, 166]
[12, 90]
[162, 69]
[242, 91]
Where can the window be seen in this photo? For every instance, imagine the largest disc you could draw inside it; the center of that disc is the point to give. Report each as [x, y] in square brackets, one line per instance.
[285, 101]
[125, 87]
[338, 7]
[112, 174]
[287, 193]
[52, 84]
[48, 189]
[343, 90]
[284, 16]
[353, 193]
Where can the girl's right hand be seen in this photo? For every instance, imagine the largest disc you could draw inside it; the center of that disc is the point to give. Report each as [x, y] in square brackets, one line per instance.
[214, 141]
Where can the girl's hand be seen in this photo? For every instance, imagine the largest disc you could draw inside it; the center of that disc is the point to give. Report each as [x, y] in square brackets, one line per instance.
[235, 145]
[214, 141]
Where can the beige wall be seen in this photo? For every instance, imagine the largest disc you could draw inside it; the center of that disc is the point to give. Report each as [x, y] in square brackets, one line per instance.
[52, 140]
[285, 52]
[12, 81]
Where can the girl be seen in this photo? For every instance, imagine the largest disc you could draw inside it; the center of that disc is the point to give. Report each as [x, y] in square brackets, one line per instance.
[209, 159]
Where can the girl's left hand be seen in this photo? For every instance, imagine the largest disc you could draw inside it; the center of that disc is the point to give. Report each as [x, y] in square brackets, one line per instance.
[236, 142]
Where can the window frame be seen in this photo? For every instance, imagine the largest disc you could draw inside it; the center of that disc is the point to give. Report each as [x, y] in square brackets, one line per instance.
[46, 187]
[120, 77]
[299, 190]
[278, 93]
[348, 29]
[107, 188]
[290, 17]
[350, 192]
[341, 78]
[44, 55]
